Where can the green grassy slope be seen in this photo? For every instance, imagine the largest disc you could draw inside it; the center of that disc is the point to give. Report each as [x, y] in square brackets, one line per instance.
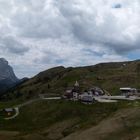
[54, 120]
[44, 117]
[109, 76]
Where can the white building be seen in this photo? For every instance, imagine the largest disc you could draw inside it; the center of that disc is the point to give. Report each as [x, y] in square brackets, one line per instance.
[86, 97]
[127, 91]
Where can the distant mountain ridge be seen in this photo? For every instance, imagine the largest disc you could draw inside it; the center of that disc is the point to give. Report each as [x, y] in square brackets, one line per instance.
[8, 78]
[109, 76]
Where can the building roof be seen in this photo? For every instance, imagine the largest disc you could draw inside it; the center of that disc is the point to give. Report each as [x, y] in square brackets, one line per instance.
[9, 109]
[127, 88]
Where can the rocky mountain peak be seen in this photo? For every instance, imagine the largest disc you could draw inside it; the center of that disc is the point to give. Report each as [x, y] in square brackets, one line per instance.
[8, 78]
[6, 71]
[3, 61]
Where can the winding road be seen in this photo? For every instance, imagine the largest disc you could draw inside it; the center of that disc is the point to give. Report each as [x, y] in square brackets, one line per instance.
[104, 99]
[27, 103]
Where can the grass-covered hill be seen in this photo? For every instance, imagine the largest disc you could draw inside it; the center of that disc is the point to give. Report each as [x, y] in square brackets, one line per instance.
[109, 76]
[58, 120]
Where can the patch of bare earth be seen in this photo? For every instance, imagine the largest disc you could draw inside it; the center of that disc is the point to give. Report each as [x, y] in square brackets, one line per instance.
[106, 127]
[54, 132]
[58, 130]
[8, 135]
[32, 137]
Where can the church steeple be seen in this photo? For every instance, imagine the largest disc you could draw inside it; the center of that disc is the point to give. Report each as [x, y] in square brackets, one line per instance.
[76, 87]
[76, 84]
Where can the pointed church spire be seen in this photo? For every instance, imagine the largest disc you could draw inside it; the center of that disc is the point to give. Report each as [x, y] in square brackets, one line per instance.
[76, 84]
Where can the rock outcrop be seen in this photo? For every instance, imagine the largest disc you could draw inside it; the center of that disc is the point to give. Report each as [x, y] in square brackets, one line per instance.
[7, 77]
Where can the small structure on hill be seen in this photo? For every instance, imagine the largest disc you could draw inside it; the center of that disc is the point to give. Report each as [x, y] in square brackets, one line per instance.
[68, 94]
[89, 95]
[86, 96]
[128, 91]
[96, 91]
[7, 112]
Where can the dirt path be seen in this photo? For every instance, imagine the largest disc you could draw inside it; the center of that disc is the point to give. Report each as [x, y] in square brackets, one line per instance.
[8, 135]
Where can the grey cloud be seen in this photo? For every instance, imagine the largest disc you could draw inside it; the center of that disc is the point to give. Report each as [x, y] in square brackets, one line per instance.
[40, 23]
[109, 33]
[31, 4]
[89, 22]
[13, 46]
[122, 47]
[5, 7]
[38, 26]
[51, 57]
[117, 6]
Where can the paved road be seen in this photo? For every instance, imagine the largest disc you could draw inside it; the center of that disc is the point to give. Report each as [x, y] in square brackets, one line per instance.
[101, 100]
[19, 106]
[27, 103]
[52, 98]
[105, 99]
[120, 97]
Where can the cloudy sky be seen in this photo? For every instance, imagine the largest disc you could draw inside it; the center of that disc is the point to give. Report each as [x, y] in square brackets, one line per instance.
[38, 34]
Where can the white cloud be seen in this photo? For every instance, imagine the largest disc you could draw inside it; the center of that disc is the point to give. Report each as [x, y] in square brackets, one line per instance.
[38, 34]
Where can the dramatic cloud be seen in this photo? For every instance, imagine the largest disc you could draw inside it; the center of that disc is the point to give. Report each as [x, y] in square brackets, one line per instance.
[39, 34]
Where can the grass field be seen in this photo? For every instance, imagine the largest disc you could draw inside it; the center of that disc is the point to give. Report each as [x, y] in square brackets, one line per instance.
[45, 117]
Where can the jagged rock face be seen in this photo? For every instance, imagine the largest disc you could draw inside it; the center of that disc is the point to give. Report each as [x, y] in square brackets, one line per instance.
[7, 76]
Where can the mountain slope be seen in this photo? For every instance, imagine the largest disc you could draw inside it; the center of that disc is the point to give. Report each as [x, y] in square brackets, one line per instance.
[51, 120]
[109, 76]
[58, 120]
[125, 126]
